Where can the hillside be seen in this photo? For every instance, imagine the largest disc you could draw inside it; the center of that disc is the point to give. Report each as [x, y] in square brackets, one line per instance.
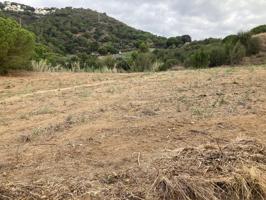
[72, 31]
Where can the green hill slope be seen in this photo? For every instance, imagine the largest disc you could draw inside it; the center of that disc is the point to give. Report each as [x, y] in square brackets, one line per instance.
[72, 31]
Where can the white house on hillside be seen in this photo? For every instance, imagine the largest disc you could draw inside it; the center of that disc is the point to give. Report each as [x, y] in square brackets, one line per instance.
[41, 11]
[8, 6]
[14, 8]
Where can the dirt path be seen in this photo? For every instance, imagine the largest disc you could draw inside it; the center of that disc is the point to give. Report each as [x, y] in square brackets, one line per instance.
[18, 97]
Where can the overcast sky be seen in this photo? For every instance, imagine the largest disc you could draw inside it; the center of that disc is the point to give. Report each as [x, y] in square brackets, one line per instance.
[199, 18]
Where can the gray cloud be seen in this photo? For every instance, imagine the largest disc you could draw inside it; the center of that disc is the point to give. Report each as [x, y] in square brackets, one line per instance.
[199, 18]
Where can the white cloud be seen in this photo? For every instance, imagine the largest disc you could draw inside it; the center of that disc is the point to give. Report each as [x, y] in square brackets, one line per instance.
[199, 18]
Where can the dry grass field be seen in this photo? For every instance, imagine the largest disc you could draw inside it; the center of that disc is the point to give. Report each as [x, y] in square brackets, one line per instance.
[175, 135]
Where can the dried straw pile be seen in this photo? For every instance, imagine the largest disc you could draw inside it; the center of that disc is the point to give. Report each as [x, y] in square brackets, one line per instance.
[232, 171]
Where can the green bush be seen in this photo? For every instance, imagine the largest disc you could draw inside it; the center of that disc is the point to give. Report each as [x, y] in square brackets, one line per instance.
[143, 47]
[199, 59]
[122, 64]
[108, 62]
[253, 46]
[186, 38]
[41, 52]
[16, 46]
[218, 56]
[244, 38]
[168, 64]
[237, 53]
[142, 62]
[174, 42]
[92, 62]
[103, 50]
[107, 49]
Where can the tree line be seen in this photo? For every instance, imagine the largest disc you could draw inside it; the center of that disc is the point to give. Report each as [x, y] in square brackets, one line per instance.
[19, 46]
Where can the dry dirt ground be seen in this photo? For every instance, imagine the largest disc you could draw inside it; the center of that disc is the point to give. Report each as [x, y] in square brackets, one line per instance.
[111, 136]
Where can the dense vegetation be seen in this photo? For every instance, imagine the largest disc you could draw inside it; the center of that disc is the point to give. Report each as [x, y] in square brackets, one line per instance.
[259, 29]
[86, 40]
[71, 31]
[16, 44]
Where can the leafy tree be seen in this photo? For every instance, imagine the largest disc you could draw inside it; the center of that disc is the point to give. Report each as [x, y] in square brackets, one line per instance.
[159, 42]
[231, 39]
[174, 42]
[143, 47]
[16, 44]
[186, 38]
[41, 52]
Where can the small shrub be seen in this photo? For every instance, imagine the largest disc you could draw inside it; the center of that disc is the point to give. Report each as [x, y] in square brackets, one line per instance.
[168, 64]
[103, 50]
[244, 38]
[218, 56]
[122, 64]
[143, 47]
[41, 52]
[237, 53]
[142, 62]
[253, 46]
[109, 62]
[200, 59]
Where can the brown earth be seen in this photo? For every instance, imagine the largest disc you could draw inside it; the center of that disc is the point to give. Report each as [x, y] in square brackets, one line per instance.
[110, 136]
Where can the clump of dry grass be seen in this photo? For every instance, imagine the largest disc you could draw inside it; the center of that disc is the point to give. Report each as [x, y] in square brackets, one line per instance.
[246, 184]
[235, 171]
[48, 132]
[232, 171]
[76, 188]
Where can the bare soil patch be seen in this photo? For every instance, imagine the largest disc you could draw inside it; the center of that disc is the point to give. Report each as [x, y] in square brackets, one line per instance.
[174, 135]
